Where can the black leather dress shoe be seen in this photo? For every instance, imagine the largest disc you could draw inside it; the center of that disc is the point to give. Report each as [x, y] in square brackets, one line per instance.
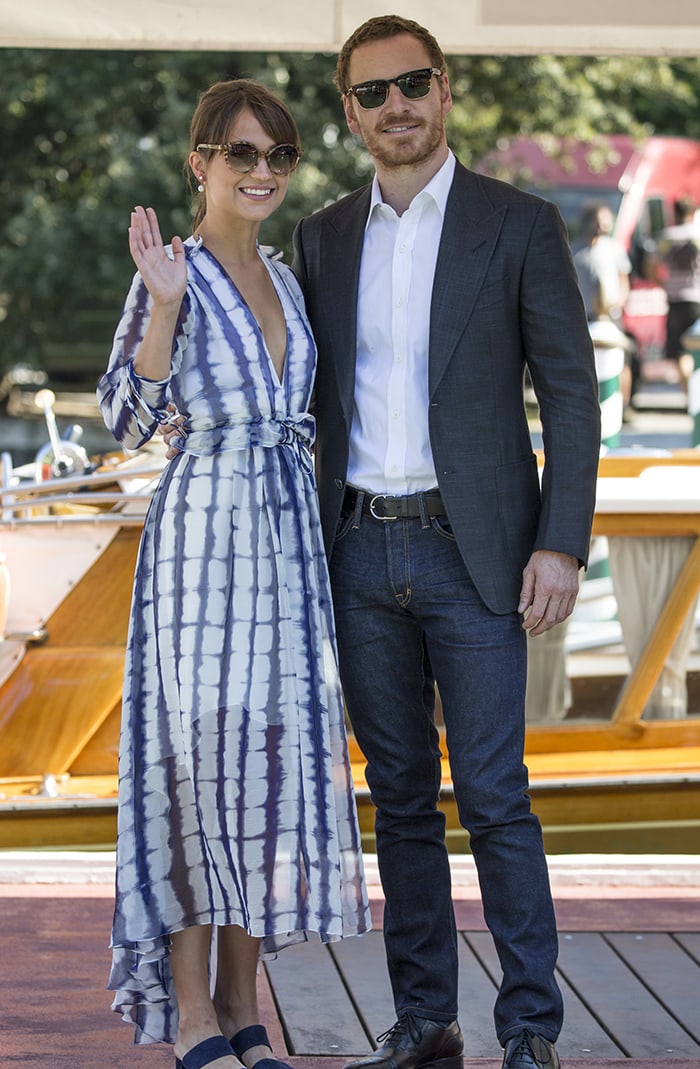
[416, 1043]
[527, 1050]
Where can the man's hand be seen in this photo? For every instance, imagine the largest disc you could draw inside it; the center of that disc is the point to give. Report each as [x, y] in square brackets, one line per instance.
[171, 430]
[549, 590]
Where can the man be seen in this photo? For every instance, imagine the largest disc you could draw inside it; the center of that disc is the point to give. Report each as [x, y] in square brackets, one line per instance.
[428, 293]
[677, 268]
[602, 265]
[603, 269]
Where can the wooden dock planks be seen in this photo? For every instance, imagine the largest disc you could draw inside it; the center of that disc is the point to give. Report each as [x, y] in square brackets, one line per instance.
[627, 995]
[655, 955]
[633, 1014]
[319, 1017]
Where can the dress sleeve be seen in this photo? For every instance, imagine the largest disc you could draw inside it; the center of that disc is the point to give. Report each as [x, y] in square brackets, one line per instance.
[132, 406]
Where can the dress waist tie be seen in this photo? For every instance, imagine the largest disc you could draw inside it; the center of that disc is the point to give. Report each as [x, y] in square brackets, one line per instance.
[298, 431]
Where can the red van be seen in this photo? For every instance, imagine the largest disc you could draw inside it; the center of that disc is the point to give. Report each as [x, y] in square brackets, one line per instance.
[638, 180]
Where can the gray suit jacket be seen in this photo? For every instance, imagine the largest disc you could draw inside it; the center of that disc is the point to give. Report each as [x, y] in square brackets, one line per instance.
[505, 295]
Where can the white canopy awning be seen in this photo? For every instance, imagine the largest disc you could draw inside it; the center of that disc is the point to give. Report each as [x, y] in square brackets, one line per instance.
[462, 26]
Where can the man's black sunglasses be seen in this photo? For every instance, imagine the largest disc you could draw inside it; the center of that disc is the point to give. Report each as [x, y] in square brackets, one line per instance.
[413, 84]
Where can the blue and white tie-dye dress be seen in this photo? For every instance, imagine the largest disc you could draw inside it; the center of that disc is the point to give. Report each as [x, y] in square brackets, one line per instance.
[235, 794]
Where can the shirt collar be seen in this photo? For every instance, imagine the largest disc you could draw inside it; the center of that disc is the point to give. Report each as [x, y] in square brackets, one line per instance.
[438, 188]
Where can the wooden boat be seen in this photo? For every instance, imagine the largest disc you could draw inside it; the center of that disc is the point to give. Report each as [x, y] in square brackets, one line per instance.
[69, 546]
[69, 535]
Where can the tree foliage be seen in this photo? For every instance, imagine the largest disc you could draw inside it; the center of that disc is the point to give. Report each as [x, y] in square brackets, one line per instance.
[88, 134]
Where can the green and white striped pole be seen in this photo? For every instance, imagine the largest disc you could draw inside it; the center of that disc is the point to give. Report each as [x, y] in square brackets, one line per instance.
[691, 344]
[609, 350]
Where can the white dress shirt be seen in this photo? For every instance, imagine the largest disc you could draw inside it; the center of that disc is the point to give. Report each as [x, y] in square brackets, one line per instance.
[389, 441]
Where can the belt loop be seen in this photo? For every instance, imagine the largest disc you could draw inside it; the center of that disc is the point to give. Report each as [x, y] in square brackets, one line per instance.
[423, 510]
[357, 512]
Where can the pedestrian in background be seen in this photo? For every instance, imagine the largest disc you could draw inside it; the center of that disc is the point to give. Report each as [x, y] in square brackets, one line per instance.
[677, 267]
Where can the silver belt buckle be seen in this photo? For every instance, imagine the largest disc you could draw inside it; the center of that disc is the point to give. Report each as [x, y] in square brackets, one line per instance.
[373, 514]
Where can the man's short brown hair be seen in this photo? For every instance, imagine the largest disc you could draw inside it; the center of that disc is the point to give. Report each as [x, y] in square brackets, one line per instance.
[378, 29]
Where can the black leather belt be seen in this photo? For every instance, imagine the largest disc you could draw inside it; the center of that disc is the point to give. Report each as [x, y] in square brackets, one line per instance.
[387, 507]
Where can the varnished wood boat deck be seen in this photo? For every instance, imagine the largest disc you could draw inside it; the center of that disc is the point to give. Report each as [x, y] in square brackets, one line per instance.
[597, 784]
[594, 792]
[629, 969]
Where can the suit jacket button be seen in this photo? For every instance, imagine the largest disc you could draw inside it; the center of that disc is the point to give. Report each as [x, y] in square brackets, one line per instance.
[339, 483]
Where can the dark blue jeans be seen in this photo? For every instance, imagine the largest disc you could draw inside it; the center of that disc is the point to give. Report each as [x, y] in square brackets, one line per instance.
[408, 616]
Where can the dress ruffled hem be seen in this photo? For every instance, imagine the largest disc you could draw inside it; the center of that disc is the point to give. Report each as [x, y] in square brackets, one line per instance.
[143, 984]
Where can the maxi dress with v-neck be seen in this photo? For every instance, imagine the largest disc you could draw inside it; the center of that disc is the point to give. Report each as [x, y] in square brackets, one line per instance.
[235, 792]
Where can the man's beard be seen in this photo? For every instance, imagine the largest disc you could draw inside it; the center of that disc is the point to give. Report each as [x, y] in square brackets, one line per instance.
[418, 146]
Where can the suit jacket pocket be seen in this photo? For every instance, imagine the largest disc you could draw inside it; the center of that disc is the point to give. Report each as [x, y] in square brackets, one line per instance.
[519, 499]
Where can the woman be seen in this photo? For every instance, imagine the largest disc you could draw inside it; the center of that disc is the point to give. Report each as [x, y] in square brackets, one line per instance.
[237, 824]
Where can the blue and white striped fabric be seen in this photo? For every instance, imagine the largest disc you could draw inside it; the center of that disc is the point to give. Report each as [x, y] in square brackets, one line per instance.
[235, 796]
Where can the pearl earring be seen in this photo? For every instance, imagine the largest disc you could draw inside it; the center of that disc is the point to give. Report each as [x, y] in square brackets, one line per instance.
[200, 187]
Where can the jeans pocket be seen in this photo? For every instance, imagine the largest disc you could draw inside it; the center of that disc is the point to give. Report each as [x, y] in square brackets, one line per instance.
[344, 525]
[441, 526]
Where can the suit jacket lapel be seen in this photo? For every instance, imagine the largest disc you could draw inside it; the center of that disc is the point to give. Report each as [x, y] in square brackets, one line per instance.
[341, 245]
[469, 234]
